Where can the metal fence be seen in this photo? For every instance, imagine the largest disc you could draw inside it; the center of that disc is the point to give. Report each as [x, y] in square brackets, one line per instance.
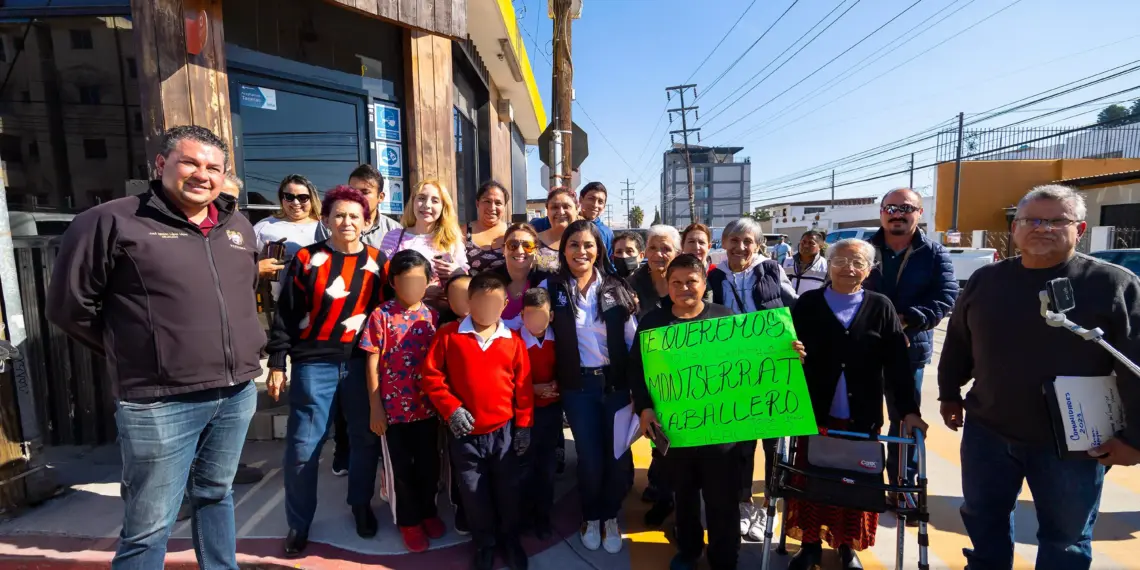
[72, 390]
[1087, 141]
[1124, 238]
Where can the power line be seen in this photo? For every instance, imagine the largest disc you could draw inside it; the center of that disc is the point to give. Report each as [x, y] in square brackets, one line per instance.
[818, 69]
[920, 54]
[790, 58]
[724, 37]
[741, 57]
[932, 132]
[863, 63]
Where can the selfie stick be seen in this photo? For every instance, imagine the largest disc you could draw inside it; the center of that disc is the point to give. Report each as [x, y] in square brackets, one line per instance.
[1096, 335]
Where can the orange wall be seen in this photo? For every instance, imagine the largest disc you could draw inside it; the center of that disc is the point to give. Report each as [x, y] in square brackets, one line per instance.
[989, 186]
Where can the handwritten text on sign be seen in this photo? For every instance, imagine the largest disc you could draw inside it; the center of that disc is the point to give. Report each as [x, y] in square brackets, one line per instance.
[726, 380]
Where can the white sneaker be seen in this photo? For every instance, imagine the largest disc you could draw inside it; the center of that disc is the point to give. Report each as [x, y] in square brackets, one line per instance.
[612, 540]
[753, 522]
[592, 535]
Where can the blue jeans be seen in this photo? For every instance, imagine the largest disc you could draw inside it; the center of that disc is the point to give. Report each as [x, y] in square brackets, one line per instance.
[313, 386]
[602, 480]
[894, 419]
[187, 443]
[1066, 495]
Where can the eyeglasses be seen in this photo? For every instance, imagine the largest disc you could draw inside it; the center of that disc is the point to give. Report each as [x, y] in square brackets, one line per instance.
[299, 198]
[841, 262]
[894, 209]
[526, 245]
[1045, 223]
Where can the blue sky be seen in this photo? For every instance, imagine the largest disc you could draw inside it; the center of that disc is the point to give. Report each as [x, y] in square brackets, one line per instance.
[627, 51]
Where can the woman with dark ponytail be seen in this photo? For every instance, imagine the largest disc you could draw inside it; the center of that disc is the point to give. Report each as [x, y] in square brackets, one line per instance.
[594, 329]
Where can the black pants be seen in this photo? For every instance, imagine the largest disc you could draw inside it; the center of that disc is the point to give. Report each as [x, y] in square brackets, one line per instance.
[415, 466]
[708, 471]
[541, 462]
[489, 476]
[747, 454]
[657, 480]
[341, 448]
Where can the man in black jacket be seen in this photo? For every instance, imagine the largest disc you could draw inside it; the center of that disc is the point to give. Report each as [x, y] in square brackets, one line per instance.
[917, 275]
[162, 285]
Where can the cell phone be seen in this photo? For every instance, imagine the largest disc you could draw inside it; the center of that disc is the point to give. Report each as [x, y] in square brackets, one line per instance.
[1061, 299]
[659, 439]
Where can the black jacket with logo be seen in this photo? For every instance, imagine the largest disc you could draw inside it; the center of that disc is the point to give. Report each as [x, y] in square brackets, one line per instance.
[172, 310]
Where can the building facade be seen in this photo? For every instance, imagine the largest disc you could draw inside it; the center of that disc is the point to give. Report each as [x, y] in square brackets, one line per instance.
[435, 89]
[721, 185]
[793, 219]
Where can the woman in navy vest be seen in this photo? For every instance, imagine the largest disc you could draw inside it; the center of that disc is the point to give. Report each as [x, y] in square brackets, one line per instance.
[749, 282]
[594, 328]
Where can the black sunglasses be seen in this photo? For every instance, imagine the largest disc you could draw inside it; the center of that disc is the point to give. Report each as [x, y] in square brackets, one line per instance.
[893, 209]
[299, 198]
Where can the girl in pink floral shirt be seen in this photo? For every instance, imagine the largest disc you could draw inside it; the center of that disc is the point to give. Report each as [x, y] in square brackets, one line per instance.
[397, 338]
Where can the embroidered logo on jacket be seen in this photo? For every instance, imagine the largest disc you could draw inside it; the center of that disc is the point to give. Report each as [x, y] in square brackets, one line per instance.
[235, 237]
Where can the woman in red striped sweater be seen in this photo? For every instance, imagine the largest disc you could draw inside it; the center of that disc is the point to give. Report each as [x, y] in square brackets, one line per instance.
[331, 288]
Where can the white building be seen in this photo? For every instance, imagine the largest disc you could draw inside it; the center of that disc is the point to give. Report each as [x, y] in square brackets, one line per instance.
[793, 219]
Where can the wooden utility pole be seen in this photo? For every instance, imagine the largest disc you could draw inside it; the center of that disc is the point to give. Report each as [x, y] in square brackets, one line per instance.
[684, 132]
[833, 189]
[563, 89]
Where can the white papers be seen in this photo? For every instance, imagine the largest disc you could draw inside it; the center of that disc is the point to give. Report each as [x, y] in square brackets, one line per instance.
[388, 479]
[627, 428]
[1091, 410]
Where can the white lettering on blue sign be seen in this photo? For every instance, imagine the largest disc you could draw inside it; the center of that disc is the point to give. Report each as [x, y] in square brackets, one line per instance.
[387, 122]
[390, 160]
[258, 97]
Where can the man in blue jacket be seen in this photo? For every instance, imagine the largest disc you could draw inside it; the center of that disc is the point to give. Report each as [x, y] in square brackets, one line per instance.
[918, 277]
[591, 206]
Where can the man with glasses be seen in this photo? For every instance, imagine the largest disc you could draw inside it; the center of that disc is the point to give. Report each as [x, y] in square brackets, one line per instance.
[917, 275]
[998, 337]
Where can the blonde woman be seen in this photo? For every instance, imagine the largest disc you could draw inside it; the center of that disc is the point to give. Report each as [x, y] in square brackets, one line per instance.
[431, 227]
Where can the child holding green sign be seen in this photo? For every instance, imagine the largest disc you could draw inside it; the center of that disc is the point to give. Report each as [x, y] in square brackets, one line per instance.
[710, 471]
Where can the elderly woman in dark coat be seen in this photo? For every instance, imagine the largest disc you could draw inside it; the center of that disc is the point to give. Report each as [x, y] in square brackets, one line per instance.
[856, 350]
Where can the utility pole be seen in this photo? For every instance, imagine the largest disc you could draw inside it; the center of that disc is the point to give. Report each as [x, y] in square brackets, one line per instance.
[563, 89]
[957, 174]
[832, 188]
[684, 132]
[912, 171]
[627, 197]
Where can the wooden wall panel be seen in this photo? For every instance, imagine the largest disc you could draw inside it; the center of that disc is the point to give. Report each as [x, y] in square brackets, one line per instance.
[178, 88]
[500, 144]
[430, 101]
[443, 17]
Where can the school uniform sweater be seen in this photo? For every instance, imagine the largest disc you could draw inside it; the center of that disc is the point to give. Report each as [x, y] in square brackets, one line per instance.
[493, 384]
[541, 353]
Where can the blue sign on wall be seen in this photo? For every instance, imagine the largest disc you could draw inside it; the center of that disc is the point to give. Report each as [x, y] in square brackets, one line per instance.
[387, 122]
[390, 159]
[258, 97]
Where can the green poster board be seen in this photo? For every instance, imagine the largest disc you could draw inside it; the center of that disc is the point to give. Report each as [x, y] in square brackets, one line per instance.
[725, 380]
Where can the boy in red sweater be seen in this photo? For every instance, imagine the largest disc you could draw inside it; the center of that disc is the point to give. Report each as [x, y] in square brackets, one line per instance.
[477, 375]
[540, 462]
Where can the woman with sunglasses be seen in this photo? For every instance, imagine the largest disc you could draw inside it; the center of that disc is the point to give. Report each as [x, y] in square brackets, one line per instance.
[520, 246]
[486, 234]
[297, 222]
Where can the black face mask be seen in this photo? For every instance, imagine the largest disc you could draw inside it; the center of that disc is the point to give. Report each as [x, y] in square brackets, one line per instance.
[626, 265]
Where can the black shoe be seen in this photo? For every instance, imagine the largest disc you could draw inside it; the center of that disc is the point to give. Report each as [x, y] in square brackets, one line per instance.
[542, 527]
[809, 556]
[295, 543]
[484, 558]
[657, 514]
[366, 524]
[340, 465]
[247, 475]
[514, 555]
[849, 558]
[649, 495]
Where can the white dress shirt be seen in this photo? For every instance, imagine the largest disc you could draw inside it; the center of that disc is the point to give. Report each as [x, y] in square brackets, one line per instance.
[468, 327]
[592, 348]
